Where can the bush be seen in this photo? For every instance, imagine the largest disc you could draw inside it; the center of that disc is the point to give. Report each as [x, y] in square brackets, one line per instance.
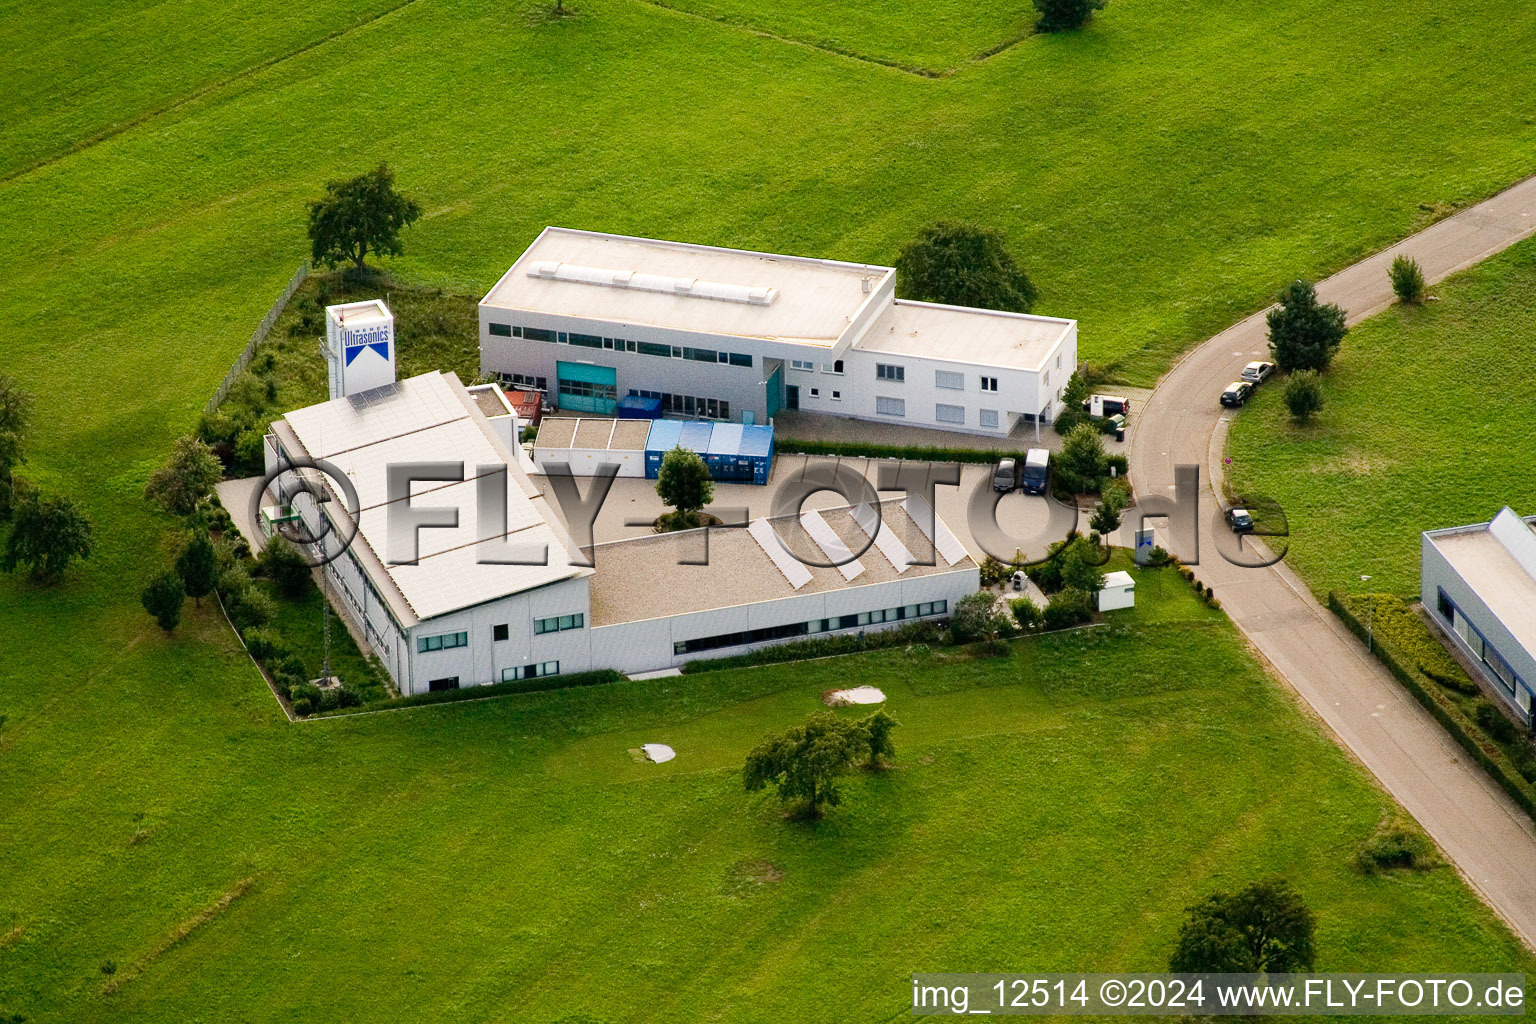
[302, 706]
[1303, 334]
[291, 665]
[1068, 419]
[248, 607]
[994, 572]
[163, 599]
[1493, 722]
[1158, 558]
[1026, 613]
[1069, 607]
[1407, 280]
[1303, 395]
[265, 645]
[1065, 15]
[914, 634]
[977, 617]
[1080, 463]
[1395, 847]
[284, 565]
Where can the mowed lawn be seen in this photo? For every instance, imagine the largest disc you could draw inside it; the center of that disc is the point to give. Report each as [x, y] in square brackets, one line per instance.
[1429, 421]
[510, 860]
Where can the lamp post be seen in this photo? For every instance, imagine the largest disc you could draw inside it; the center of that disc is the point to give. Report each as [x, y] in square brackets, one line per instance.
[1370, 623]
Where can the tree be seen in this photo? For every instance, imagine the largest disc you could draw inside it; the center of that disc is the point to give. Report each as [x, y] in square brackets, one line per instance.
[1304, 335]
[977, 617]
[1106, 515]
[1080, 566]
[806, 761]
[962, 265]
[15, 415]
[1263, 928]
[683, 483]
[1065, 15]
[1080, 463]
[1303, 394]
[186, 478]
[163, 598]
[1407, 280]
[49, 532]
[285, 566]
[197, 565]
[877, 729]
[357, 216]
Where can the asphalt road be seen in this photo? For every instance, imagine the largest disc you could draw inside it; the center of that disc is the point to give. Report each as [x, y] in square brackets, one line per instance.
[1480, 829]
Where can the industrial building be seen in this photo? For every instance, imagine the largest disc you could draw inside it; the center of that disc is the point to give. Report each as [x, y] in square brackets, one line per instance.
[452, 619]
[1478, 583]
[734, 452]
[594, 319]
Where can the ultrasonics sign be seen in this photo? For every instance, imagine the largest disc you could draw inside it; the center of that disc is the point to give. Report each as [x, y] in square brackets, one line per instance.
[355, 340]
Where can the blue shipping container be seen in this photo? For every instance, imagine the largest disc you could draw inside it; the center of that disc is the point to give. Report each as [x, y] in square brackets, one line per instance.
[734, 453]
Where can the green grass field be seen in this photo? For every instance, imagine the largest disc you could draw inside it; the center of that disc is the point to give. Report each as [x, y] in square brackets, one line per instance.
[1159, 175]
[1428, 422]
[509, 860]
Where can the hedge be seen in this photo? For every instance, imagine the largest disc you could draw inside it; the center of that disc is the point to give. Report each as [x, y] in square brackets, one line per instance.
[1494, 761]
[927, 632]
[543, 683]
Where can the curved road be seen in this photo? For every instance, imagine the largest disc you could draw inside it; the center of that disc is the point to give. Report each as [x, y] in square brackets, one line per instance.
[1489, 838]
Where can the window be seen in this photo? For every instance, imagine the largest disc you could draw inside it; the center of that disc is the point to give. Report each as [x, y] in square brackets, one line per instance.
[949, 379]
[702, 355]
[837, 396]
[543, 668]
[1047, 379]
[801, 364]
[949, 413]
[539, 383]
[1443, 602]
[608, 343]
[501, 330]
[538, 334]
[587, 389]
[556, 623]
[836, 367]
[450, 683]
[987, 418]
[885, 371]
[890, 406]
[989, 383]
[499, 631]
[441, 642]
[646, 348]
[586, 340]
[815, 392]
[794, 629]
[741, 359]
[1058, 360]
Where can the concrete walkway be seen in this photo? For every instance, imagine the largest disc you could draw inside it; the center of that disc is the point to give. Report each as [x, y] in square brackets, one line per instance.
[1483, 832]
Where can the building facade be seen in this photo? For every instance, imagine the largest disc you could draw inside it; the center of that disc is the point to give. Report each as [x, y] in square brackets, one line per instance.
[729, 335]
[1478, 583]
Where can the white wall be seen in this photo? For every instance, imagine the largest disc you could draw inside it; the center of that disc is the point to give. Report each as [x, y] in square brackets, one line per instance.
[584, 461]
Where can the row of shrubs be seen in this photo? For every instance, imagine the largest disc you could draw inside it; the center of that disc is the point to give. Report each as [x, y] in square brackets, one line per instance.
[1474, 723]
[924, 632]
[544, 683]
[911, 453]
[1204, 591]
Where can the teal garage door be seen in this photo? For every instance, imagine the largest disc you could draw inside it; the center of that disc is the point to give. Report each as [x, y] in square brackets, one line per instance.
[587, 388]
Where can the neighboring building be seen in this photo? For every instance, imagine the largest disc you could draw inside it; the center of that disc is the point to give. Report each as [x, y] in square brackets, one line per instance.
[1479, 583]
[730, 335]
[450, 620]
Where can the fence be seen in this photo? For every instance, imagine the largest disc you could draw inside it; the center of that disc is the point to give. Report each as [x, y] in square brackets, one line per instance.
[258, 336]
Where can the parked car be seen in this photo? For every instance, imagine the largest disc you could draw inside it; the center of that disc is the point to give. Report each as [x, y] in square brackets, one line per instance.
[1006, 477]
[1240, 519]
[1258, 371]
[1105, 405]
[1236, 394]
[1037, 462]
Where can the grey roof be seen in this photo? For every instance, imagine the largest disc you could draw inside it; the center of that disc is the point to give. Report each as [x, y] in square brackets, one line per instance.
[1497, 560]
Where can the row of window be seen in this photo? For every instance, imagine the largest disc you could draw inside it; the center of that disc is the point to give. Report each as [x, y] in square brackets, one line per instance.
[886, 405]
[557, 623]
[543, 668]
[689, 405]
[500, 631]
[525, 380]
[794, 629]
[588, 389]
[1497, 666]
[645, 348]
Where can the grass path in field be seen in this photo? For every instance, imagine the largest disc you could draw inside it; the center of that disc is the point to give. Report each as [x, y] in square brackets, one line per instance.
[1055, 809]
[1429, 421]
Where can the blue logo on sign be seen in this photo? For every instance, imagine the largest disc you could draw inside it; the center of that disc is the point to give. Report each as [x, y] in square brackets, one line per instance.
[354, 342]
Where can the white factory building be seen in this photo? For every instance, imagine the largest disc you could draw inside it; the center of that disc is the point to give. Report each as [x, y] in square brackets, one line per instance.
[452, 619]
[724, 334]
[1478, 583]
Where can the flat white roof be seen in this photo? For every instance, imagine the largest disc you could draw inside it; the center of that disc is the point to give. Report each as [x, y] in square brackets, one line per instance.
[432, 418]
[975, 337]
[686, 287]
[1498, 561]
[360, 314]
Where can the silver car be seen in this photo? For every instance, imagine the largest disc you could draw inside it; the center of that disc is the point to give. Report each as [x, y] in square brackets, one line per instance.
[1258, 371]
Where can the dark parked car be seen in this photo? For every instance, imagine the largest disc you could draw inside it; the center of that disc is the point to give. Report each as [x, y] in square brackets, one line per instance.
[1006, 477]
[1258, 372]
[1240, 519]
[1236, 394]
